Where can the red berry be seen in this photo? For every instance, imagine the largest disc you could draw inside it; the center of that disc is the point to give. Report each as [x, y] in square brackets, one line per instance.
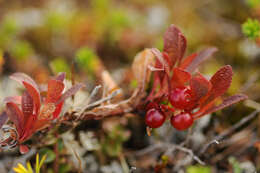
[154, 118]
[182, 121]
[180, 97]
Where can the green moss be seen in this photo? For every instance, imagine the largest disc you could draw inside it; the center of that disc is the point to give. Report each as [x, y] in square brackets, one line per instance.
[253, 3]
[59, 65]
[21, 50]
[87, 59]
[251, 28]
[198, 169]
[8, 30]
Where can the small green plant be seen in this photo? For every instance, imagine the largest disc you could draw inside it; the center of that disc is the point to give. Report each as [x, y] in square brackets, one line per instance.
[253, 3]
[87, 59]
[60, 65]
[21, 50]
[198, 169]
[251, 28]
[114, 140]
[39, 162]
[235, 165]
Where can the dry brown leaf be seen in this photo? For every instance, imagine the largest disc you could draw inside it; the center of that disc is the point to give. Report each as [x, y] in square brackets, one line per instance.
[140, 66]
[108, 81]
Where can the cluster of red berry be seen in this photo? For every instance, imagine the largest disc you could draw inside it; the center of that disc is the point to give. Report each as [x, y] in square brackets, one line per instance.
[180, 98]
[177, 92]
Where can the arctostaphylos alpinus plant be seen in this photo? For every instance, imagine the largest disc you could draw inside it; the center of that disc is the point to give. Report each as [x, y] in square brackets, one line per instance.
[34, 110]
[179, 91]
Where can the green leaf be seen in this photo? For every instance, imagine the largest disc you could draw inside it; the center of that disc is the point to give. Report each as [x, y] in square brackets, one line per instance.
[251, 28]
[50, 154]
[235, 165]
[60, 144]
[63, 168]
[198, 169]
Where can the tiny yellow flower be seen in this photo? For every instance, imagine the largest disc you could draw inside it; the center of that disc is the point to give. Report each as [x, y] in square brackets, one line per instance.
[21, 169]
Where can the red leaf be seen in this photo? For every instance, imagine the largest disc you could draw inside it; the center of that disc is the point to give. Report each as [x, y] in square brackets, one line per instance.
[3, 118]
[220, 81]
[186, 62]
[34, 93]
[226, 102]
[55, 88]
[27, 104]
[70, 92]
[16, 116]
[31, 87]
[61, 76]
[28, 128]
[21, 77]
[200, 87]
[39, 125]
[174, 44]
[210, 108]
[23, 149]
[179, 77]
[192, 62]
[57, 110]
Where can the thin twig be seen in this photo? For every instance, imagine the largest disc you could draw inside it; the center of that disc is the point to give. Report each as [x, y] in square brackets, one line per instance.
[79, 160]
[252, 104]
[229, 131]
[109, 97]
[191, 153]
[173, 147]
[123, 163]
[93, 93]
[170, 148]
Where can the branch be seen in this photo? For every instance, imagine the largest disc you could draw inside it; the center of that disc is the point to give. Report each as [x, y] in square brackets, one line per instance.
[191, 153]
[229, 131]
[169, 149]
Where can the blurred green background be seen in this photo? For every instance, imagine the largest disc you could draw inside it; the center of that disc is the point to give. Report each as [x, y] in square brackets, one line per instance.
[48, 36]
[44, 37]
